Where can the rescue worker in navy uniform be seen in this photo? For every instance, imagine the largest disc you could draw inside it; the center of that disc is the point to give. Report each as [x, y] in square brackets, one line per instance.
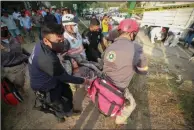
[48, 77]
[94, 36]
[121, 60]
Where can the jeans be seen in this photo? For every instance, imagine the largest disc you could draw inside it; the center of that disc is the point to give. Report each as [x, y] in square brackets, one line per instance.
[105, 33]
[189, 38]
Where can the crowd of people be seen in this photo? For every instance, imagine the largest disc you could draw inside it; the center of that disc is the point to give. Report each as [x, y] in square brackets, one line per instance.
[20, 23]
[63, 56]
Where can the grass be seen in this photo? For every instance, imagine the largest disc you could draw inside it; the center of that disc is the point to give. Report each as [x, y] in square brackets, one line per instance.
[165, 92]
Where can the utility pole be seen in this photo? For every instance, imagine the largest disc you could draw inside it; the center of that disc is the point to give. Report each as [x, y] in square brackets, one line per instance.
[132, 5]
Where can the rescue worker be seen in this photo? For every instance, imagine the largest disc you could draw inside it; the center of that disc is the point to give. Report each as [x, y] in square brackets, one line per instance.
[76, 50]
[121, 60]
[93, 37]
[47, 76]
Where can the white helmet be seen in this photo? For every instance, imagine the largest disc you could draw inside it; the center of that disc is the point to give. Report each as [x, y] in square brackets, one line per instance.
[68, 19]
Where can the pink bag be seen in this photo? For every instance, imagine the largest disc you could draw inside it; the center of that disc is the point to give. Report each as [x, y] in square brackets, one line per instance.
[107, 98]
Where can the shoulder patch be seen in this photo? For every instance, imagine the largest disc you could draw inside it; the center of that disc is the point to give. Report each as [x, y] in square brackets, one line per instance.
[111, 56]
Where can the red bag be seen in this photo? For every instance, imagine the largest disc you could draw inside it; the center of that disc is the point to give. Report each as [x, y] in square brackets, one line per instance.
[9, 93]
[107, 98]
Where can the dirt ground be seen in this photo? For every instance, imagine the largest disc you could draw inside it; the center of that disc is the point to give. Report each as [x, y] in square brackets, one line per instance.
[160, 102]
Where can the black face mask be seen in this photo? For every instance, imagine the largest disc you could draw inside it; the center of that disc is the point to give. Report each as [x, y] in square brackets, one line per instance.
[47, 13]
[58, 47]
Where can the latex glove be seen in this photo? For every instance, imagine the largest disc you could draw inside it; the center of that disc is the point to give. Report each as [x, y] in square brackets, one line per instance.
[86, 41]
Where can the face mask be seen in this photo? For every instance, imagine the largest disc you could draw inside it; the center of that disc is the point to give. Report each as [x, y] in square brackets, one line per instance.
[53, 11]
[33, 13]
[75, 29]
[58, 47]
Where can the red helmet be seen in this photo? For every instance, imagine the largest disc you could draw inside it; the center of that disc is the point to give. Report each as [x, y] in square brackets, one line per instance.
[128, 25]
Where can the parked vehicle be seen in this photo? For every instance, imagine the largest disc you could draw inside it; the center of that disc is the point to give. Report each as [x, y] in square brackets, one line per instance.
[176, 19]
[119, 17]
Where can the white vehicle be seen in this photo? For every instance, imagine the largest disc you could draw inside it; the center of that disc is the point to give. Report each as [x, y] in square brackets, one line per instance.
[176, 19]
[113, 9]
[119, 17]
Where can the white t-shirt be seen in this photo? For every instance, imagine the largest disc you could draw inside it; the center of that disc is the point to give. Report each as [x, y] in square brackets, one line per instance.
[16, 15]
[156, 33]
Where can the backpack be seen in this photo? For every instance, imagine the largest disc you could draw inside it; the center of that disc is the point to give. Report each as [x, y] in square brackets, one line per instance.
[107, 97]
[9, 93]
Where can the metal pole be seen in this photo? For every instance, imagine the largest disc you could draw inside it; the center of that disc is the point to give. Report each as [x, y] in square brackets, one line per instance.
[132, 5]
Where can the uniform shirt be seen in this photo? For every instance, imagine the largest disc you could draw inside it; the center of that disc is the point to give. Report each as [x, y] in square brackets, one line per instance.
[120, 61]
[104, 26]
[9, 21]
[46, 71]
[94, 38]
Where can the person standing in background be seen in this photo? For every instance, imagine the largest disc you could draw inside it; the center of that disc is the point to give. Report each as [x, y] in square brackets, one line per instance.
[58, 16]
[65, 11]
[16, 14]
[37, 20]
[49, 18]
[26, 23]
[53, 10]
[110, 24]
[75, 17]
[11, 25]
[105, 25]
[43, 12]
[190, 36]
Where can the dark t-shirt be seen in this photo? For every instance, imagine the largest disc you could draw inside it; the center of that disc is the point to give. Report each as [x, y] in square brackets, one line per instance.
[94, 38]
[46, 71]
[50, 18]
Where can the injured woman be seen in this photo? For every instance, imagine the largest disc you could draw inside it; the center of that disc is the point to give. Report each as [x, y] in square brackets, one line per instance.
[65, 59]
[79, 70]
